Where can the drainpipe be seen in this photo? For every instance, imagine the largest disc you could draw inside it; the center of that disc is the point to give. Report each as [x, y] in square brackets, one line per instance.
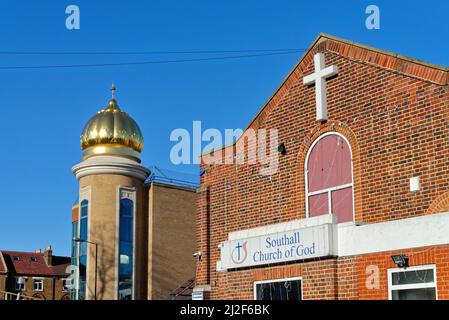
[54, 286]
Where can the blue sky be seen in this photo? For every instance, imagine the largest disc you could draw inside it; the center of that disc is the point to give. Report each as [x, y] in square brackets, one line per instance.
[43, 111]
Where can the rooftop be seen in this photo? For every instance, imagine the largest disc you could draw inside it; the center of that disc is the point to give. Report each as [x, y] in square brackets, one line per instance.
[173, 178]
[32, 263]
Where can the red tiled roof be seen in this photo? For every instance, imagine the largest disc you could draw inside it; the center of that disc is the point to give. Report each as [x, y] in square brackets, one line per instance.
[25, 266]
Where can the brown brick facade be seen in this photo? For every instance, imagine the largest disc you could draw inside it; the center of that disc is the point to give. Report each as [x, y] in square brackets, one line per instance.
[394, 111]
[52, 288]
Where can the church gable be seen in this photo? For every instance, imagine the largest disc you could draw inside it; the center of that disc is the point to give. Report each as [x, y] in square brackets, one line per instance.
[363, 139]
[391, 110]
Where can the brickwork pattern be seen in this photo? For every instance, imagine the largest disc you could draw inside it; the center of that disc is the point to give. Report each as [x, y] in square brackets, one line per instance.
[395, 114]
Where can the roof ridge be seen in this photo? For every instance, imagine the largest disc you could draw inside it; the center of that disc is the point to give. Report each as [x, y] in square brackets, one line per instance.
[21, 252]
[386, 52]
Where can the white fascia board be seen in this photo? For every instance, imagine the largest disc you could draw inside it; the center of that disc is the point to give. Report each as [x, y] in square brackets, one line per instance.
[282, 227]
[422, 231]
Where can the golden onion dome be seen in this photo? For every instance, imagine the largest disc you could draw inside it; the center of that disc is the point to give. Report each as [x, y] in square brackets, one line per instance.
[112, 132]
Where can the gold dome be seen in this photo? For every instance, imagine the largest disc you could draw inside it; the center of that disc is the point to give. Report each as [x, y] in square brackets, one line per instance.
[112, 132]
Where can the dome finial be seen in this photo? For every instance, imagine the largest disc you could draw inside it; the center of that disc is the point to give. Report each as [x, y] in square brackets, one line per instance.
[113, 90]
[112, 104]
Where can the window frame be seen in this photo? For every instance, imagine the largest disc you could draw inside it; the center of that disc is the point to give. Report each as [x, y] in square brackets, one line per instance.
[328, 191]
[42, 284]
[277, 280]
[17, 283]
[86, 197]
[129, 193]
[433, 284]
[64, 288]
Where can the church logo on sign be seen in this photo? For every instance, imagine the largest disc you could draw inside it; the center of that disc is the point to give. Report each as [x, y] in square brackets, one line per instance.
[240, 253]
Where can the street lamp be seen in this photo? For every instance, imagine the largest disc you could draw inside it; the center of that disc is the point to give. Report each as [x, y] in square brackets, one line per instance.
[96, 261]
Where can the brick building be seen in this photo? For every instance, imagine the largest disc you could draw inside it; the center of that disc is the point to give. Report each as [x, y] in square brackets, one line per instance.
[359, 205]
[34, 274]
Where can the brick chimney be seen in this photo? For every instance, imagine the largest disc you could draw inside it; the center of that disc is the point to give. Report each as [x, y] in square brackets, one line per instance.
[48, 255]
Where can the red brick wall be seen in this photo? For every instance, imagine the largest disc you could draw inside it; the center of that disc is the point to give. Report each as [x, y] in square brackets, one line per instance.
[394, 113]
[352, 271]
[319, 280]
[343, 278]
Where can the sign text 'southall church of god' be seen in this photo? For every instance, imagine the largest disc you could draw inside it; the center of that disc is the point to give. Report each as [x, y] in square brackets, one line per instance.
[359, 206]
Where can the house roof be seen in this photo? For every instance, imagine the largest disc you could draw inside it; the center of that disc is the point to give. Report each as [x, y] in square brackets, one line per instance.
[358, 52]
[21, 263]
[3, 268]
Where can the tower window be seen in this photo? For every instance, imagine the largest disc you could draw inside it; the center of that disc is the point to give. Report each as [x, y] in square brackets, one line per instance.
[126, 234]
[84, 212]
[329, 185]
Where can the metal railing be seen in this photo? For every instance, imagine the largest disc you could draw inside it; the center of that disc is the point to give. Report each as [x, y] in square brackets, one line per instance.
[5, 295]
[189, 284]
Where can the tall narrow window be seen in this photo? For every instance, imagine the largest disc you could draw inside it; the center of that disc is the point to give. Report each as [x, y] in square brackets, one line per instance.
[83, 249]
[329, 178]
[74, 260]
[125, 285]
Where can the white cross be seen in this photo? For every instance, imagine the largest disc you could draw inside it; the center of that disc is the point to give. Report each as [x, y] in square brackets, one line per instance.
[319, 78]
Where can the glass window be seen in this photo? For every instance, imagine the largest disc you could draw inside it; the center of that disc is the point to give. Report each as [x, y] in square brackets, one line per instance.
[329, 178]
[414, 294]
[38, 284]
[289, 289]
[20, 284]
[125, 287]
[414, 283]
[33, 259]
[82, 261]
[66, 285]
[74, 260]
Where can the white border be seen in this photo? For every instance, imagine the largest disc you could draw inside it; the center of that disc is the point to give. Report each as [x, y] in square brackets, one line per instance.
[433, 284]
[328, 190]
[110, 165]
[277, 280]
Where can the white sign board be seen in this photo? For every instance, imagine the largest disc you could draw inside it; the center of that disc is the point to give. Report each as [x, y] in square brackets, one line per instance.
[299, 244]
